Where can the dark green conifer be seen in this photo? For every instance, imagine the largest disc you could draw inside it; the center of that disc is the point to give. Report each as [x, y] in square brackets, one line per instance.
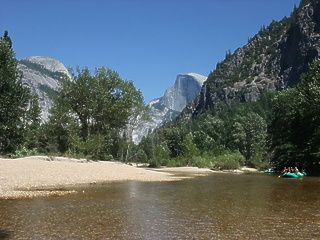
[15, 100]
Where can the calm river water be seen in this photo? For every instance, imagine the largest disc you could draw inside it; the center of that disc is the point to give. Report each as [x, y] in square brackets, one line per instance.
[218, 206]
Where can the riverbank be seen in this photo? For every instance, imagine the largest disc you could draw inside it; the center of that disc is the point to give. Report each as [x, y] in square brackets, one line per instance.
[44, 176]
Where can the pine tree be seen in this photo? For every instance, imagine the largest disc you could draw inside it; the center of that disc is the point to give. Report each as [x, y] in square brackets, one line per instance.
[14, 100]
[7, 39]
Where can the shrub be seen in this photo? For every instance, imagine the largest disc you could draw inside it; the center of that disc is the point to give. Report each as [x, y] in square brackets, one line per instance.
[23, 152]
[228, 161]
[161, 157]
[263, 166]
[93, 147]
[203, 162]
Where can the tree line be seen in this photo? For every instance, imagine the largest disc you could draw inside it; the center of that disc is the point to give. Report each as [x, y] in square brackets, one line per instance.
[89, 117]
[93, 113]
[280, 129]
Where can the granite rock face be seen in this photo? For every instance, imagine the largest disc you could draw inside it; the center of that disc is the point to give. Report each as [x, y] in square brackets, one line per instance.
[167, 107]
[43, 75]
[273, 59]
[185, 89]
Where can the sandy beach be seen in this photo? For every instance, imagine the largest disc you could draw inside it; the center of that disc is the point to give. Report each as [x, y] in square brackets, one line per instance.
[42, 176]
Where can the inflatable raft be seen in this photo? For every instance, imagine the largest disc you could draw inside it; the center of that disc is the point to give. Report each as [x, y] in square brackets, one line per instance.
[293, 175]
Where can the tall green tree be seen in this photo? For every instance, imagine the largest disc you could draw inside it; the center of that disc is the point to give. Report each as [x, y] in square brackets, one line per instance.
[282, 128]
[92, 107]
[33, 124]
[7, 39]
[174, 141]
[296, 123]
[189, 147]
[146, 146]
[17, 105]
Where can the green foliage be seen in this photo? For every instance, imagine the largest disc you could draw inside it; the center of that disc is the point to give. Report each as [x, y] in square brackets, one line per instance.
[19, 110]
[228, 161]
[304, 3]
[189, 148]
[32, 124]
[92, 147]
[228, 54]
[281, 127]
[142, 156]
[295, 127]
[258, 157]
[160, 157]
[146, 146]
[51, 92]
[174, 141]
[24, 152]
[6, 38]
[226, 139]
[202, 141]
[202, 162]
[90, 112]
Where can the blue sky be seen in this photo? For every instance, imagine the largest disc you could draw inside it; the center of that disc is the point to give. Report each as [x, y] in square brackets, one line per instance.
[146, 41]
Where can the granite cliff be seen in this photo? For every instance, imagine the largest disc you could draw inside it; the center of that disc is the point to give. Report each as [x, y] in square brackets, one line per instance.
[167, 107]
[273, 59]
[44, 76]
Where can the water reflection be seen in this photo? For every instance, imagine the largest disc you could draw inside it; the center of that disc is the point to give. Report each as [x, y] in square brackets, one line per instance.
[219, 206]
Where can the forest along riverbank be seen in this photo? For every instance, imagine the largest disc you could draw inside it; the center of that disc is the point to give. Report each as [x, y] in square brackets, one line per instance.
[44, 176]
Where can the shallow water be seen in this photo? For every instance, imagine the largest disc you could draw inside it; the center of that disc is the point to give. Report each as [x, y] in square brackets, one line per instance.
[218, 206]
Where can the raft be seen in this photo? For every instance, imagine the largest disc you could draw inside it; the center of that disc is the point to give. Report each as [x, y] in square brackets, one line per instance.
[293, 175]
[267, 171]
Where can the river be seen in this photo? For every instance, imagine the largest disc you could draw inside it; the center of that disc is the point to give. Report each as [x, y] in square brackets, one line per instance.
[217, 206]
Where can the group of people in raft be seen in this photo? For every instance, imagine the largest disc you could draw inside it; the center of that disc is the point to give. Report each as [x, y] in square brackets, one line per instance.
[291, 170]
[288, 172]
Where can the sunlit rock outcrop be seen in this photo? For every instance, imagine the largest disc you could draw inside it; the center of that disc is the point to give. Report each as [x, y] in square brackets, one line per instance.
[44, 76]
[167, 107]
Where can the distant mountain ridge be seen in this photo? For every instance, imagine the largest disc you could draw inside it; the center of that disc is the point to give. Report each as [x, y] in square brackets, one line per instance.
[44, 76]
[167, 107]
[184, 90]
[273, 59]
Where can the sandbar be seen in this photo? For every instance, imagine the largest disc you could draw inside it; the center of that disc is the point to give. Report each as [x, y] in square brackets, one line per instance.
[46, 176]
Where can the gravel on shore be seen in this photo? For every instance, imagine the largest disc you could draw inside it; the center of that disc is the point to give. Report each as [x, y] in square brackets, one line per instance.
[44, 176]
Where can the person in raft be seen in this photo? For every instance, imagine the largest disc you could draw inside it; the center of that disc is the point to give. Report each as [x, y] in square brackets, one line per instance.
[291, 170]
[285, 170]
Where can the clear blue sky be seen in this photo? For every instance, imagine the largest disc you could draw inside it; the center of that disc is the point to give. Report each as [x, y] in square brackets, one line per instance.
[146, 41]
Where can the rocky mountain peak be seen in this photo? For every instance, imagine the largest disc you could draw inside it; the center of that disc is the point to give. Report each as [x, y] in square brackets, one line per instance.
[167, 107]
[185, 89]
[273, 59]
[48, 63]
[44, 76]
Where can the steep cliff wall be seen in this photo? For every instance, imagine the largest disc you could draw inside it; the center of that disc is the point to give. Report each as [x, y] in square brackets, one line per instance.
[163, 109]
[273, 59]
[186, 87]
[43, 75]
